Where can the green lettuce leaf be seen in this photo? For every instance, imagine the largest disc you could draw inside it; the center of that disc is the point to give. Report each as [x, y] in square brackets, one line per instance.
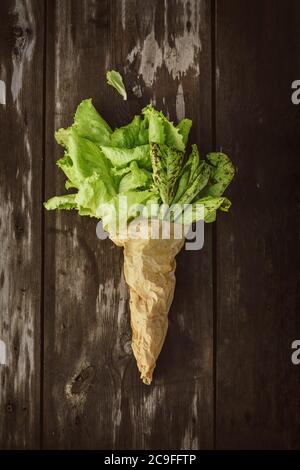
[125, 207]
[82, 159]
[203, 209]
[130, 136]
[141, 163]
[121, 157]
[194, 178]
[137, 178]
[222, 173]
[66, 202]
[115, 80]
[90, 125]
[166, 165]
[184, 128]
[161, 130]
[93, 193]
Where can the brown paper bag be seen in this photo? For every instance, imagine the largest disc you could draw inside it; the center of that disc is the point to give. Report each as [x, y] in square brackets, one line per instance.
[149, 269]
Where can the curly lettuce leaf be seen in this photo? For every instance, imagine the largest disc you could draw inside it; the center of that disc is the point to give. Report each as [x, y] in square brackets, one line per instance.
[222, 173]
[82, 159]
[121, 157]
[90, 125]
[211, 205]
[93, 193]
[116, 81]
[161, 130]
[184, 127]
[131, 135]
[124, 207]
[67, 202]
[136, 178]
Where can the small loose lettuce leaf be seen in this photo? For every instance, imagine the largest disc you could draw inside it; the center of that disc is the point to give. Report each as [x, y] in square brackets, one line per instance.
[90, 125]
[115, 80]
[161, 130]
[121, 157]
[130, 136]
[184, 128]
[137, 178]
[166, 165]
[222, 173]
[66, 202]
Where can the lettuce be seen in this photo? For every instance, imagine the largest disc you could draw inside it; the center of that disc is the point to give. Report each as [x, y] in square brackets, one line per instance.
[132, 135]
[166, 163]
[222, 173]
[145, 161]
[136, 178]
[121, 157]
[162, 131]
[211, 205]
[61, 202]
[184, 128]
[90, 124]
[115, 80]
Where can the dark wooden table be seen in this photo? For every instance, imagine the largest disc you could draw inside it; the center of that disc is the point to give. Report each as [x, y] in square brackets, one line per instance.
[225, 378]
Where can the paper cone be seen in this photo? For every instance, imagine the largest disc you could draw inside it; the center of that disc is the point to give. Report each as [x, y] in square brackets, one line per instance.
[149, 269]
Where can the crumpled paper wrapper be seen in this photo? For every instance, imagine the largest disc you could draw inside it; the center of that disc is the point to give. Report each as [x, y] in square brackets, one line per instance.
[149, 269]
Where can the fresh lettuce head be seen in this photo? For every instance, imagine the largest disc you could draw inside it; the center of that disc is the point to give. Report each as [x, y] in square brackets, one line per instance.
[146, 161]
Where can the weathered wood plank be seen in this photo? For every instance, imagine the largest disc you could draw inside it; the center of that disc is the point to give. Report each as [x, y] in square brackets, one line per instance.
[93, 395]
[21, 130]
[258, 286]
[168, 46]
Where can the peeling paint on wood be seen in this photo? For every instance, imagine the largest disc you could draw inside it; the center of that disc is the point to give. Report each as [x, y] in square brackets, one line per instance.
[2, 352]
[180, 55]
[2, 92]
[180, 104]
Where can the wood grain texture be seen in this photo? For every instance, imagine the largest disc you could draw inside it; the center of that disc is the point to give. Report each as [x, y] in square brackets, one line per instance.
[21, 135]
[258, 283]
[82, 361]
[93, 397]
